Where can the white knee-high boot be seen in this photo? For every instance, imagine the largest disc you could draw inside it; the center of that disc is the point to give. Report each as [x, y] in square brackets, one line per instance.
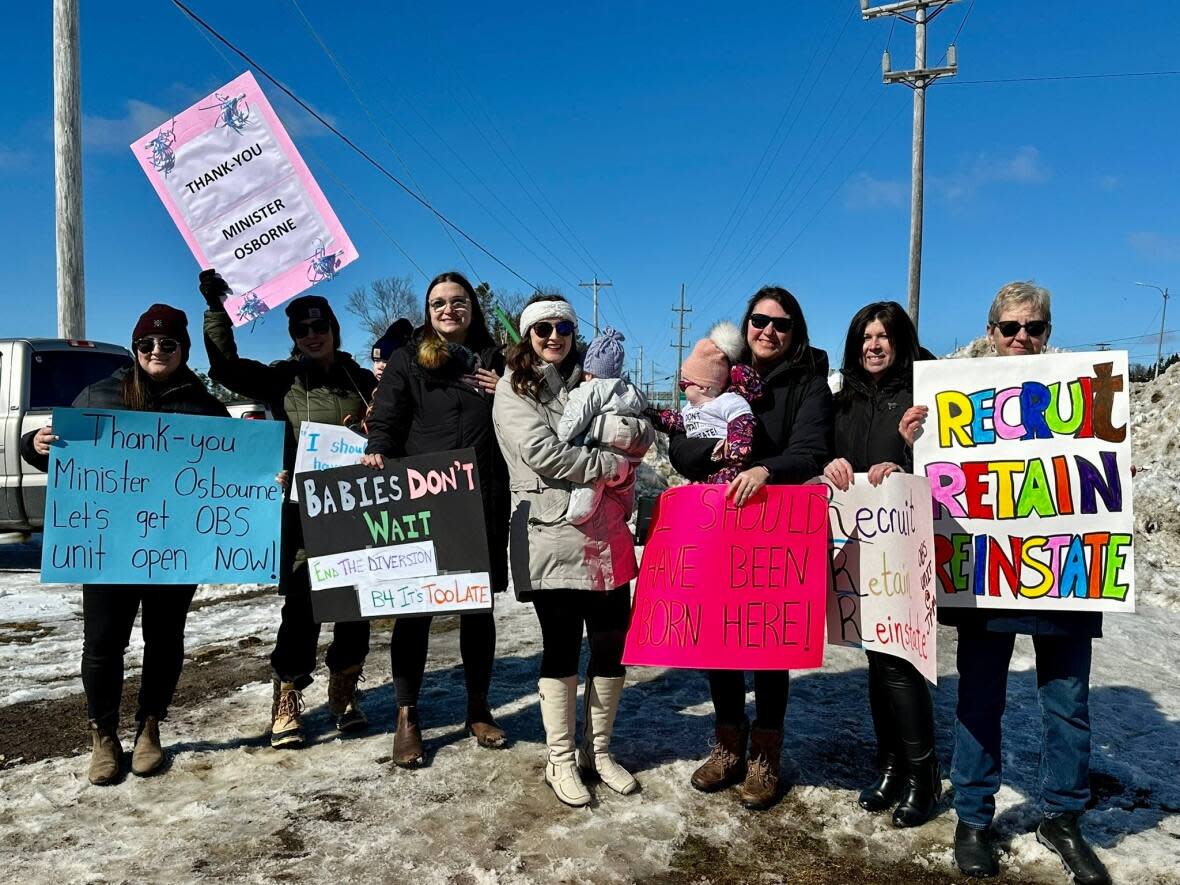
[559, 699]
[602, 702]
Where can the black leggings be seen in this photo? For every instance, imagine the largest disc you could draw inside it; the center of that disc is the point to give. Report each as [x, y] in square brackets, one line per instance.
[108, 614]
[293, 658]
[771, 689]
[903, 714]
[411, 639]
[563, 614]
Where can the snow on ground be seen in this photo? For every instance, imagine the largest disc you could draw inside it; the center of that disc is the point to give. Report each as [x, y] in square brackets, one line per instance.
[231, 808]
[1155, 417]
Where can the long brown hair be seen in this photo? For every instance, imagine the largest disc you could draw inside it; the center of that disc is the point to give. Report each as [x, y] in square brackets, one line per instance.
[135, 385]
[526, 365]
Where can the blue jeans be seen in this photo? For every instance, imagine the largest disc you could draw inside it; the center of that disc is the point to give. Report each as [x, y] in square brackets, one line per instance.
[1063, 688]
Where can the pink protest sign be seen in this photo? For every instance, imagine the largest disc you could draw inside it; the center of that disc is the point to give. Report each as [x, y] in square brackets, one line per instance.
[243, 198]
[729, 588]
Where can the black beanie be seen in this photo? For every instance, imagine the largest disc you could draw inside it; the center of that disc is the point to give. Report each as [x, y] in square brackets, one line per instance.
[311, 307]
[397, 335]
[163, 321]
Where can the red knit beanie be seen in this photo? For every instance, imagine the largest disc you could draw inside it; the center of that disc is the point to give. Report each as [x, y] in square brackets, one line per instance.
[163, 321]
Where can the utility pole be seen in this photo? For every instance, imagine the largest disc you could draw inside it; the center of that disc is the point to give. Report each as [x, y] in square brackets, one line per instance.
[596, 284]
[918, 78]
[67, 168]
[639, 368]
[679, 345]
[1159, 354]
[651, 379]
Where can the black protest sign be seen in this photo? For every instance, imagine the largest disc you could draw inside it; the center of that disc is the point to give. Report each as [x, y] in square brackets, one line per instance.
[406, 540]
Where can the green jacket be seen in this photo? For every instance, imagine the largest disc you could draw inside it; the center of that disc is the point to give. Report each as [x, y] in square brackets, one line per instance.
[295, 389]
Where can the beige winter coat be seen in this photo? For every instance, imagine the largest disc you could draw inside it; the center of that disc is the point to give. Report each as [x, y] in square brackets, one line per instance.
[545, 552]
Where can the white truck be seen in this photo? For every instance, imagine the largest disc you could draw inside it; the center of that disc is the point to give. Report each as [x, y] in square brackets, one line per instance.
[36, 376]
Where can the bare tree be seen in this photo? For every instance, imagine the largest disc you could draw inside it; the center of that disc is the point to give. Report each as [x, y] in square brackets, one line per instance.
[384, 301]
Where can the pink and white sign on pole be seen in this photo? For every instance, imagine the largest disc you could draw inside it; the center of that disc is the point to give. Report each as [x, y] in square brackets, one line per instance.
[243, 199]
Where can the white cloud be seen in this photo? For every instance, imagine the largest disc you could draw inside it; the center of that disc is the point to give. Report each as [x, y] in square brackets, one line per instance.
[1151, 244]
[117, 133]
[867, 192]
[1023, 167]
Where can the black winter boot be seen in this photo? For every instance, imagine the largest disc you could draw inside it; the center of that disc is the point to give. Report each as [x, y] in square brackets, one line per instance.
[974, 852]
[923, 789]
[1060, 834]
[887, 789]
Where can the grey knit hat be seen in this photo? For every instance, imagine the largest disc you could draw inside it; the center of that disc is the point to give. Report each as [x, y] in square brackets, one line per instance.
[604, 356]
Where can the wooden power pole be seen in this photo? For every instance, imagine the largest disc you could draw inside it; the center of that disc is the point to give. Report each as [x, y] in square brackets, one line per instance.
[918, 13]
[67, 167]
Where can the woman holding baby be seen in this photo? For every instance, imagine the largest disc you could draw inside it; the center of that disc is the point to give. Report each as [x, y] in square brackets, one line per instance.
[792, 440]
[576, 575]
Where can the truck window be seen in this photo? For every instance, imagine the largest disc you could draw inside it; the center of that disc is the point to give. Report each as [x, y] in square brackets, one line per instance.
[58, 376]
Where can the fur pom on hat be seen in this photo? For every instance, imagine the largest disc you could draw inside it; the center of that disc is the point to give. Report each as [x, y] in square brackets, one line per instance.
[709, 363]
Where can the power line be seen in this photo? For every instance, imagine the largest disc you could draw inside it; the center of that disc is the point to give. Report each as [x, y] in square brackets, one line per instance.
[1111, 76]
[348, 141]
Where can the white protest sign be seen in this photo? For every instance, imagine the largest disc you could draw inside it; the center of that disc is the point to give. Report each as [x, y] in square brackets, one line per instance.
[321, 446]
[243, 199]
[1029, 462]
[415, 559]
[434, 595]
[881, 596]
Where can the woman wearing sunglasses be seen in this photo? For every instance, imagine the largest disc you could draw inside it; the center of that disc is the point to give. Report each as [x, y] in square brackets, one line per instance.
[792, 443]
[158, 381]
[1019, 324]
[318, 382]
[879, 355]
[435, 396]
[577, 576]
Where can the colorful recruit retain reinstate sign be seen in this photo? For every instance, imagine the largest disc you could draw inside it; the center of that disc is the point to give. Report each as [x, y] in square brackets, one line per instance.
[729, 588]
[1029, 461]
[243, 198]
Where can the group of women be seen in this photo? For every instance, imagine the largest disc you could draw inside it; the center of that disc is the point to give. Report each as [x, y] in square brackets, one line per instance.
[451, 387]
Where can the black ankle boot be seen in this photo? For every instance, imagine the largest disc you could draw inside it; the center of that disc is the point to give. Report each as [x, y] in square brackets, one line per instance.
[922, 791]
[887, 789]
[1061, 835]
[974, 853]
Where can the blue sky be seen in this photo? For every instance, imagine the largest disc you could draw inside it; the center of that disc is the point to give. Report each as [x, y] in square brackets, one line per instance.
[641, 125]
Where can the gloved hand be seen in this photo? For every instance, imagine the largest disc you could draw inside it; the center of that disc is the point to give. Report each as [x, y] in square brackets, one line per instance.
[626, 472]
[214, 288]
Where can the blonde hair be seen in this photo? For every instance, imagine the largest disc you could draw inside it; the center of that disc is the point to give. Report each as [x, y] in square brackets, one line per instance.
[1020, 292]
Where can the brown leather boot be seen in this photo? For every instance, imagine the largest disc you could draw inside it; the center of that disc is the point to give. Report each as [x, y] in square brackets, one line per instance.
[147, 757]
[760, 788]
[481, 725]
[407, 740]
[344, 698]
[286, 727]
[726, 764]
[106, 755]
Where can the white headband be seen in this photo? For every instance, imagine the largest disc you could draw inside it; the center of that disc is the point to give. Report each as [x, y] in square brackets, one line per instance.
[545, 310]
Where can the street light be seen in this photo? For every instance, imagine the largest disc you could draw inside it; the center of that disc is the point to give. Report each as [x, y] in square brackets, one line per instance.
[1159, 354]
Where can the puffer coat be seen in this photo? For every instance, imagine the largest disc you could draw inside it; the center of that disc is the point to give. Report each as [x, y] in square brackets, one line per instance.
[545, 552]
[419, 410]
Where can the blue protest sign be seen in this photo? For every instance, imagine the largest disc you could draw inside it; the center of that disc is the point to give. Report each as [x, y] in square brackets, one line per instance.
[152, 498]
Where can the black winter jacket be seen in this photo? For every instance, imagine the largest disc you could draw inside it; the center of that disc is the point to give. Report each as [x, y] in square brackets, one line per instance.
[793, 438]
[183, 393]
[866, 422]
[419, 411]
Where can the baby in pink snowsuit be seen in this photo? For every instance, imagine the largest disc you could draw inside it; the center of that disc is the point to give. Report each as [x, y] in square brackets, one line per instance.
[719, 391]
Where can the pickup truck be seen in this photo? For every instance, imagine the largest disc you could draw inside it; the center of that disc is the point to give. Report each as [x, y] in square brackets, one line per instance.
[37, 375]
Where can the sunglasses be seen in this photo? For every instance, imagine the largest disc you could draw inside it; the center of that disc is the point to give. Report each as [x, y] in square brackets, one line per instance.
[544, 329]
[684, 384]
[1011, 328]
[149, 344]
[312, 327]
[782, 325]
